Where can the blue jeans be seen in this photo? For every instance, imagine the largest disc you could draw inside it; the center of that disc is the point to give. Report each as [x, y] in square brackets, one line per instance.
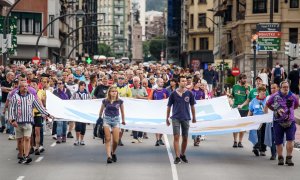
[137, 134]
[61, 128]
[11, 129]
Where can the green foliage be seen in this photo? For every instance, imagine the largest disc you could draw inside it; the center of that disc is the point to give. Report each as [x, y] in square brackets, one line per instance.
[156, 46]
[105, 50]
[146, 48]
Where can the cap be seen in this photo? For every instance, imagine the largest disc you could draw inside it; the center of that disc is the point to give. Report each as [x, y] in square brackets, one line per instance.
[258, 77]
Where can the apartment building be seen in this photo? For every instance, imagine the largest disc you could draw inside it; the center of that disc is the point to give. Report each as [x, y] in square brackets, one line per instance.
[200, 24]
[240, 18]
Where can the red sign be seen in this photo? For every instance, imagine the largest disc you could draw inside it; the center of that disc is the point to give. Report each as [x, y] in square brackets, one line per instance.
[269, 34]
[235, 71]
[36, 60]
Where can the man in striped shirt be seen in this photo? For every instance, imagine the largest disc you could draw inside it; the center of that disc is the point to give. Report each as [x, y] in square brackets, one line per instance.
[21, 117]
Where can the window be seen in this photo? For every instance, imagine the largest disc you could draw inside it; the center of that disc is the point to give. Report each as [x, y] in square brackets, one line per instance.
[276, 6]
[201, 1]
[294, 3]
[192, 2]
[202, 20]
[28, 23]
[203, 43]
[259, 6]
[51, 28]
[194, 44]
[293, 35]
[192, 21]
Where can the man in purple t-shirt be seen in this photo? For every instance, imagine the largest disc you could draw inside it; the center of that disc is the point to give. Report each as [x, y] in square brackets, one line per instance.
[181, 101]
[283, 104]
[158, 94]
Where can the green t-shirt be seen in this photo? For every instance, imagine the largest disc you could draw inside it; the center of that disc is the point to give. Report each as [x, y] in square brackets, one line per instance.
[253, 93]
[240, 96]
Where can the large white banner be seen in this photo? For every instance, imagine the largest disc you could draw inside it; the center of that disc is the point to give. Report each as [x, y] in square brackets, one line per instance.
[214, 116]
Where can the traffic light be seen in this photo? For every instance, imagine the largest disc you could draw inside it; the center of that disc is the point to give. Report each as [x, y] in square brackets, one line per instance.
[254, 45]
[291, 49]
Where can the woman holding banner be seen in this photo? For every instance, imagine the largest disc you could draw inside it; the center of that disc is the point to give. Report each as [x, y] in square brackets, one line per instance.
[111, 106]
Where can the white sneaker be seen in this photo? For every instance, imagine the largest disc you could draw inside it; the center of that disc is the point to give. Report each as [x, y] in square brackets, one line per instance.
[82, 143]
[41, 149]
[11, 137]
[140, 140]
[76, 143]
[54, 137]
[202, 138]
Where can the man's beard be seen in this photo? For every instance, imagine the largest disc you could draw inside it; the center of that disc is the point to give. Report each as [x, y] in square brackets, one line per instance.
[243, 83]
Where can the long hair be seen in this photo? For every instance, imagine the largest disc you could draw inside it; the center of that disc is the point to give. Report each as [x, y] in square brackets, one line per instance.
[108, 96]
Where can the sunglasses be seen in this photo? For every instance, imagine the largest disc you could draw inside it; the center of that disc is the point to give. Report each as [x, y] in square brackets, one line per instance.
[121, 78]
[60, 83]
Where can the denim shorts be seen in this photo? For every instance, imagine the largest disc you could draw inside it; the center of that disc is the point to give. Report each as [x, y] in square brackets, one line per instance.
[112, 122]
[183, 124]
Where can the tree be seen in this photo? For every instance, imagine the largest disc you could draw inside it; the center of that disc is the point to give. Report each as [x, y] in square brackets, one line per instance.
[146, 48]
[156, 46]
[105, 50]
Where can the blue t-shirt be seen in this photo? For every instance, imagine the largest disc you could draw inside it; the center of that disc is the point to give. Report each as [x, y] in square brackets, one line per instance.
[112, 109]
[257, 106]
[181, 105]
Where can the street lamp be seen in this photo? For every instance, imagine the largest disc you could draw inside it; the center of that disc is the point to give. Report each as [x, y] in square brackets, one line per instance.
[78, 14]
[69, 34]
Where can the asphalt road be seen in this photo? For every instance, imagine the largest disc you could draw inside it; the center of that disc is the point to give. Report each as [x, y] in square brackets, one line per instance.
[214, 159]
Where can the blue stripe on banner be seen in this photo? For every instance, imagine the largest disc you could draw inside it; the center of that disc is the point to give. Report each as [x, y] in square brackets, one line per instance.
[83, 115]
[148, 120]
[216, 132]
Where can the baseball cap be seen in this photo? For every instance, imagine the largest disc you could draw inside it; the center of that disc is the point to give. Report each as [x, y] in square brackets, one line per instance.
[258, 77]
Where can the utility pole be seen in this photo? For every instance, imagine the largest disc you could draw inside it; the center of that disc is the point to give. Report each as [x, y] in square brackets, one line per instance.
[254, 62]
[270, 61]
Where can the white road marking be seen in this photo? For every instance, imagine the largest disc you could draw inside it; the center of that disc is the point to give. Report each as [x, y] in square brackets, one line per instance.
[53, 144]
[171, 158]
[297, 149]
[20, 177]
[39, 159]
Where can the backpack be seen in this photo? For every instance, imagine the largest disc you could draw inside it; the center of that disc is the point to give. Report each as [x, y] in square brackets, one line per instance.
[99, 130]
[277, 72]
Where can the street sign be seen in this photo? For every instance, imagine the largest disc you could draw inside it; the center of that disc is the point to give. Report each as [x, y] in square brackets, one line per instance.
[269, 36]
[235, 71]
[89, 60]
[36, 60]
[268, 27]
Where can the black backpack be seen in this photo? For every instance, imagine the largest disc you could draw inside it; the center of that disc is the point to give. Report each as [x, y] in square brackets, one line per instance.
[99, 130]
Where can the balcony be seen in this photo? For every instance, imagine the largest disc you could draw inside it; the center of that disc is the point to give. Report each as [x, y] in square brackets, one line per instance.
[119, 36]
[119, 4]
[118, 13]
[6, 2]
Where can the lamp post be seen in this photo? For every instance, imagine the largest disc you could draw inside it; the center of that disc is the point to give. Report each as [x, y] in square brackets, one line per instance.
[254, 62]
[74, 30]
[78, 14]
[5, 23]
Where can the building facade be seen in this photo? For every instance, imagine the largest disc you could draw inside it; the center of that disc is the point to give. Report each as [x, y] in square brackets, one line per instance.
[155, 24]
[113, 31]
[240, 18]
[173, 51]
[32, 17]
[200, 34]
